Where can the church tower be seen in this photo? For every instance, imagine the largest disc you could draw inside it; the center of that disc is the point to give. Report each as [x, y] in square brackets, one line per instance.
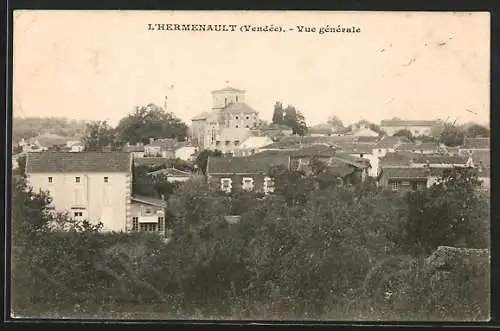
[226, 96]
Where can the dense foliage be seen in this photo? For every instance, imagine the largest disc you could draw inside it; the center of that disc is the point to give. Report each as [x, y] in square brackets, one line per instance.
[307, 251]
[98, 136]
[404, 133]
[30, 127]
[290, 117]
[150, 121]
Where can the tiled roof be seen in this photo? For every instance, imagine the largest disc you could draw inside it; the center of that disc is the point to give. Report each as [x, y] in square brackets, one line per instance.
[339, 168]
[245, 165]
[390, 141]
[134, 148]
[239, 107]
[78, 162]
[256, 142]
[171, 172]
[310, 151]
[151, 161]
[476, 143]
[396, 123]
[229, 89]
[297, 142]
[440, 159]
[396, 159]
[410, 173]
[358, 162]
[149, 201]
[409, 147]
[353, 148]
[167, 143]
[50, 139]
[202, 116]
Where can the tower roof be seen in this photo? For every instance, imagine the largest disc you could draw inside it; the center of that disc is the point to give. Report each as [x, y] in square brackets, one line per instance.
[229, 89]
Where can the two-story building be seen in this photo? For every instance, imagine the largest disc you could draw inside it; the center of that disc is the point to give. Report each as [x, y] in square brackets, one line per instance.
[416, 127]
[420, 147]
[408, 178]
[230, 174]
[89, 185]
[148, 215]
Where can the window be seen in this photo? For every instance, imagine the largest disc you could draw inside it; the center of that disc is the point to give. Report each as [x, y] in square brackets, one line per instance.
[236, 142]
[147, 211]
[135, 223]
[161, 224]
[77, 179]
[247, 183]
[227, 142]
[248, 117]
[225, 185]
[106, 179]
[148, 227]
[236, 98]
[246, 126]
[395, 186]
[217, 143]
[237, 126]
[78, 214]
[236, 117]
[50, 179]
[268, 185]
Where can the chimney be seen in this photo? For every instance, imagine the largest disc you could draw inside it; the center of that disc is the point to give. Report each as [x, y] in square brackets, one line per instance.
[151, 140]
[165, 103]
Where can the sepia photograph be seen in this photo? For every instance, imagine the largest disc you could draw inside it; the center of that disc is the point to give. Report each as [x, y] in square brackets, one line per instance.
[250, 166]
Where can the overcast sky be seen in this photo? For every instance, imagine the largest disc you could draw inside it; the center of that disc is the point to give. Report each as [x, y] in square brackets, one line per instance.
[100, 65]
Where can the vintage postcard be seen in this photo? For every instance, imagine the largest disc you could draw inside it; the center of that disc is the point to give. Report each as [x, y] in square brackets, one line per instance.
[251, 165]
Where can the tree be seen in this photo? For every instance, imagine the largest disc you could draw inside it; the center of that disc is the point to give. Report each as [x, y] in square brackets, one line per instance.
[202, 159]
[290, 117]
[278, 113]
[376, 128]
[99, 135]
[476, 131]
[150, 121]
[451, 136]
[335, 122]
[404, 133]
[453, 212]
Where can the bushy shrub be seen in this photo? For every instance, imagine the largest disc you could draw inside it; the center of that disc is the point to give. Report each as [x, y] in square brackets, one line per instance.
[303, 252]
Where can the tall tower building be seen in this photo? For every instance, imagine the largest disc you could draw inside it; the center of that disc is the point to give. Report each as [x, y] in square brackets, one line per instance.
[227, 96]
